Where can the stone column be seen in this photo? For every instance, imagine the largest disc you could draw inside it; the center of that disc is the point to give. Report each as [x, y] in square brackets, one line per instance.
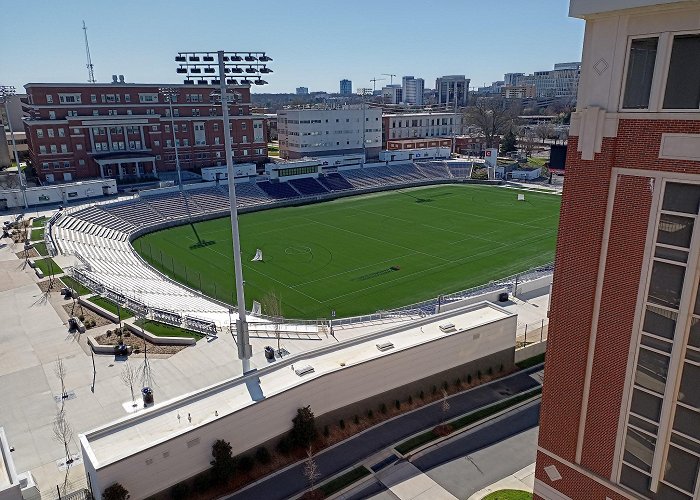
[121, 170]
[102, 170]
[153, 168]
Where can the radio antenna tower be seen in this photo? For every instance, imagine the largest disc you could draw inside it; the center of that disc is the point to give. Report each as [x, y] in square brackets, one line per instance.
[91, 74]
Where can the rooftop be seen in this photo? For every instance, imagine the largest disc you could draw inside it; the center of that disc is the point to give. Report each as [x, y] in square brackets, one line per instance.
[134, 433]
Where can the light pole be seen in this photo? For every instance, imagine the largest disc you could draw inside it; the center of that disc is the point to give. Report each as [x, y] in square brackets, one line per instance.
[209, 71]
[170, 93]
[5, 93]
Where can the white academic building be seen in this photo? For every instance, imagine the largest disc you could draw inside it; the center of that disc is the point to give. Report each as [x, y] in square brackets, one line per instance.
[329, 131]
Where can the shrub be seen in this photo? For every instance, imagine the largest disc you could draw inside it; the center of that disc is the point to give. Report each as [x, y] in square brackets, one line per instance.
[445, 385]
[397, 404]
[245, 463]
[501, 369]
[458, 382]
[179, 491]
[370, 413]
[81, 317]
[341, 424]
[127, 334]
[284, 446]
[410, 399]
[109, 333]
[326, 431]
[304, 427]
[490, 371]
[478, 374]
[382, 408]
[115, 492]
[222, 467]
[262, 455]
[421, 395]
[201, 482]
[356, 420]
[469, 379]
[434, 390]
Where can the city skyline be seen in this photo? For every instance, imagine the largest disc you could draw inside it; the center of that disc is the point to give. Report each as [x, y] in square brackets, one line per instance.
[359, 45]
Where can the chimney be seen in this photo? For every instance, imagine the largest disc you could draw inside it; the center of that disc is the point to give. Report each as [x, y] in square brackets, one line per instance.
[114, 78]
[121, 78]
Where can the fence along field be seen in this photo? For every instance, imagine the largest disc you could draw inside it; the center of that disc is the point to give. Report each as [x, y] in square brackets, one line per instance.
[361, 254]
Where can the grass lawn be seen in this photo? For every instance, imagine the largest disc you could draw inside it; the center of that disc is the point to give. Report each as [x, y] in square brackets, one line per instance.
[111, 306]
[346, 479]
[535, 360]
[37, 234]
[47, 265]
[466, 420]
[163, 330]
[361, 254]
[509, 495]
[40, 247]
[38, 221]
[536, 161]
[75, 285]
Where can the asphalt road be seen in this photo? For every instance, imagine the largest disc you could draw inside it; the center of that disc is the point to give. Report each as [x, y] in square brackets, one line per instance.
[291, 481]
[476, 458]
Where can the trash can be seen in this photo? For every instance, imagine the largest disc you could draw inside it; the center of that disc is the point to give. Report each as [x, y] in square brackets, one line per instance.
[269, 353]
[503, 297]
[147, 394]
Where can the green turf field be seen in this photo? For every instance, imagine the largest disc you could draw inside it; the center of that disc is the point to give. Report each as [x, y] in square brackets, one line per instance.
[340, 254]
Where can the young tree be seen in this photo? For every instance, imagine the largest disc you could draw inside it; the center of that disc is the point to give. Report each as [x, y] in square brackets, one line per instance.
[115, 492]
[63, 433]
[510, 143]
[445, 406]
[304, 427]
[544, 131]
[311, 472]
[223, 465]
[130, 376]
[59, 370]
[492, 116]
[272, 306]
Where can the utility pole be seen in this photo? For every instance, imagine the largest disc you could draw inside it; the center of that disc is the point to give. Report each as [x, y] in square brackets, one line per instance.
[5, 93]
[363, 93]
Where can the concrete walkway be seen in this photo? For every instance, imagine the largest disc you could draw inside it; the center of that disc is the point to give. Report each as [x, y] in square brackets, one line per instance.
[524, 479]
[407, 482]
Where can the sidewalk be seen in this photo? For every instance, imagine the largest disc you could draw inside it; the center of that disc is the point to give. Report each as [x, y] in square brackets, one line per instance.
[524, 479]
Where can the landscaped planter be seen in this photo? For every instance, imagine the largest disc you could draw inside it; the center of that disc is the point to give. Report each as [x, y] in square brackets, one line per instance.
[155, 339]
[102, 312]
[98, 348]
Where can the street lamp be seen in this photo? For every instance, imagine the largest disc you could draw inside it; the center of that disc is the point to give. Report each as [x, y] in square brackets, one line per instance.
[216, 68]
[364, 93]
[5, 93]
[170, 94]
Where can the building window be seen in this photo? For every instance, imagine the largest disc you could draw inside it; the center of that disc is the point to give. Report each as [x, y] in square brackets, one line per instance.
[61, 132]
[79, 147]
[95, 112]
[64, 148]
[640, 73]
[40, 133]
[50, 132]
[683, 83]
[93, 98]
[54, 149]
[49, 99]
[127, 98]
[52, 115]
[42, 150]
[81, 162]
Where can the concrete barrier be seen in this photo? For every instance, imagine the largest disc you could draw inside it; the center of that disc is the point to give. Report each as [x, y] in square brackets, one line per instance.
[530, 351]
[155, 339]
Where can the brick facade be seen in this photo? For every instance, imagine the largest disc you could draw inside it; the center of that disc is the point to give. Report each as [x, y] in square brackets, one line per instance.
[73, 127]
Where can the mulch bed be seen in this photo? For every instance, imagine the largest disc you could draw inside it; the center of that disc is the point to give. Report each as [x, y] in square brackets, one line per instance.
[46, 286]
[32, 253]
[86, 313]
[137, 343]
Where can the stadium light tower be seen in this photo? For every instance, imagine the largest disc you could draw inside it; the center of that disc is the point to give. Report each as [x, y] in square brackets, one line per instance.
[211, 70]
[170, 94]
[5, 93]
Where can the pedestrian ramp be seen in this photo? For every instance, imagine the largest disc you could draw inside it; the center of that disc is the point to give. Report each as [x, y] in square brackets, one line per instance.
[408, 482]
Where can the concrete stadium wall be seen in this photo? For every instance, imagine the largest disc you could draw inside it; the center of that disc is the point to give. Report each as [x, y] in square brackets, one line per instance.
[489, 296]
[346, 388]
[530, 350]
[536, 284]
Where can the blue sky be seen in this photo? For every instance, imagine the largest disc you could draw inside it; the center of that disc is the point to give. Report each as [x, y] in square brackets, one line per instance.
[314, 43]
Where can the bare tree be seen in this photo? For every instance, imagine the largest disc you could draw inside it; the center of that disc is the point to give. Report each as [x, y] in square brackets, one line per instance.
[272, 306]
[130, 377]
[445, 405]
[527, 140]
[59, 369]
[492, 116]
[63, 433]
[311, 472]
[544, 131]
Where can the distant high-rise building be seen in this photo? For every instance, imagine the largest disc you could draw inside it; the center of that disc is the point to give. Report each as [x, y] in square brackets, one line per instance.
[345, 87]
[512, 79]
[452, 88]
[302, 90]
[559, 83]
[412, 89]
[392, 94]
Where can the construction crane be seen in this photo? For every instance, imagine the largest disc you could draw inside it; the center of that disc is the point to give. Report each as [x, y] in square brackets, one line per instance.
[391, 77]
[91, 74]
[374, 82]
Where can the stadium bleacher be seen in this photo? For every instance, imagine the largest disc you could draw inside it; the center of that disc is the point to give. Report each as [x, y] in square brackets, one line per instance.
[335, 182]
[278, 190]
[308, 186]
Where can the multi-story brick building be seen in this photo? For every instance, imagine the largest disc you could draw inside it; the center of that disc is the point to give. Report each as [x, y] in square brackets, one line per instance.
[621, 402]
[421, 125]
[123, 130]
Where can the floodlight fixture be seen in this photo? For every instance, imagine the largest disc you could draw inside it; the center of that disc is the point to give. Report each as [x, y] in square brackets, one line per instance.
[250, 58]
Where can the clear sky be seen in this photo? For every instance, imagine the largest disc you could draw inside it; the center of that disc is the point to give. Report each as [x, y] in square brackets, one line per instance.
[314, 43]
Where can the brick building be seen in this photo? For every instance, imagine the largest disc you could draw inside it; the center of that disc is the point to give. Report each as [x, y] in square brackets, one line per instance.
[621, 401]
[123, 130]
